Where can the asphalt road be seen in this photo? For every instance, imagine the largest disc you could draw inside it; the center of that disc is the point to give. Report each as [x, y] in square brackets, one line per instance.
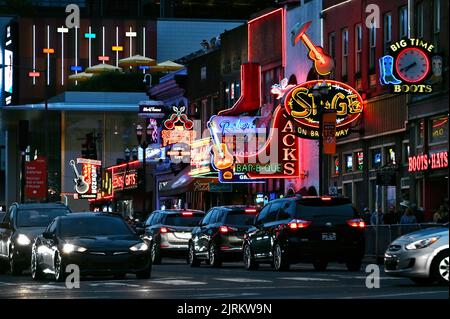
[176, 280]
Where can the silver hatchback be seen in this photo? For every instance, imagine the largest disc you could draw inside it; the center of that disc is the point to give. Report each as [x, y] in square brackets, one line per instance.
[421, 256]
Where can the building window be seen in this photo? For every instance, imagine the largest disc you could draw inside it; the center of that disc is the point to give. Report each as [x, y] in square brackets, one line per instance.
[336, 166]
[232, 91]
[406, 151]
[348, 162]
[438, 130]
[419, 19]
[375, 158]
[358, 48]
[436, 23]
[226, 95]
[403, 22]
[391, 156]
[387, 32]
[332, 45]
[344, 53]
[360, 160]
[372, 46]
[203, 73]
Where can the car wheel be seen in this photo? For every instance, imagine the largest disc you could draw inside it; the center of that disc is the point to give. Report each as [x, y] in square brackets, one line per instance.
[250, 263]
[145, 274]
[279, 258]
[36, 271]
[439, 268]
[213, 256]
[193, 260]
[14, 267]
[156, 254]
[354, 264]
[320, 265]
[60, 268]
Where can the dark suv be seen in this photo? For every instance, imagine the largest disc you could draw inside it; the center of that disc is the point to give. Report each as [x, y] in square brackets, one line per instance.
[170, 231]
[18, 229]
[306, 229]
[220, 235]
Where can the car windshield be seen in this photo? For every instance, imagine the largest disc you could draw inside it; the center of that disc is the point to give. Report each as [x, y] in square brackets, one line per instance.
[186, 220]
[38, 217]
[240, 218]
[94, 226]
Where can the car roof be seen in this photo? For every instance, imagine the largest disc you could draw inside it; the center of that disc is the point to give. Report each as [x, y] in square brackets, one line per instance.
[40, 205]
[178, 211]
[88, 215]
[316, 199]
[234, 207]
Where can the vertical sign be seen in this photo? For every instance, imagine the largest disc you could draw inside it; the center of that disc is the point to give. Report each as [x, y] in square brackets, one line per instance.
[36, 178]
[329, 132]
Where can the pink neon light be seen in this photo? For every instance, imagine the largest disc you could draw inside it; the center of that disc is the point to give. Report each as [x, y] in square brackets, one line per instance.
[123, 165]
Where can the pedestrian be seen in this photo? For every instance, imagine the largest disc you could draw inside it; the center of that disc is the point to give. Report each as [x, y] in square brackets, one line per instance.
[366, 215]
[391, 216]
[440, 215]
[408, 217]
[377, 217]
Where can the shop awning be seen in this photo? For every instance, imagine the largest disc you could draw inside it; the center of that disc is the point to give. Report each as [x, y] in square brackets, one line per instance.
[180, 183]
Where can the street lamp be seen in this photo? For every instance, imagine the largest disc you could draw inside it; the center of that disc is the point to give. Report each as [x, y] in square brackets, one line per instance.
[141, 136]
[319, 93]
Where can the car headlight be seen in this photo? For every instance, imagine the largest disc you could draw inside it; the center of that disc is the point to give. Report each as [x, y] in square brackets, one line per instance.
[422, 243]
[139, 247]
[69, 248]
[23, 240]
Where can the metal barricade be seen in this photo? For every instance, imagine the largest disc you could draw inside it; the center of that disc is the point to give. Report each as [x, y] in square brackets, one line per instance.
[376, 246]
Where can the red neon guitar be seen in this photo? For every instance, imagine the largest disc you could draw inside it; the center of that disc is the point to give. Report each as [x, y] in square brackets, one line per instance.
[222, 158]
[323, 63]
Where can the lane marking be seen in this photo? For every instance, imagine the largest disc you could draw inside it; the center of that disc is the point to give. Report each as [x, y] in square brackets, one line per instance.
[307, 279]
[242, 280]
[398, 294]
[180, 282]
[119, 284]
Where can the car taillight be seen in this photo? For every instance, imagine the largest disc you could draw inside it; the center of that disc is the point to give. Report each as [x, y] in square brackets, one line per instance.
[186, 214]
[326, 198]
[299, 223]
[357, 223]
[250, 210]
[226, 229]
[164, 230]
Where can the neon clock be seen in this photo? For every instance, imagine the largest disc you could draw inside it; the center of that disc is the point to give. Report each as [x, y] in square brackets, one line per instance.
[412, 65]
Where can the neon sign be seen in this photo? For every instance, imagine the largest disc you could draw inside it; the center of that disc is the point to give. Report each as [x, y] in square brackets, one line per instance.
[301, 105]
[410, 67]
[90, 171]
[424, 162]
[125, 180]
[181, 133]
[200, 157]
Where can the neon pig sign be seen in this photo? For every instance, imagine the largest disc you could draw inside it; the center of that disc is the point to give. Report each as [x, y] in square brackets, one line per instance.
[301, 106]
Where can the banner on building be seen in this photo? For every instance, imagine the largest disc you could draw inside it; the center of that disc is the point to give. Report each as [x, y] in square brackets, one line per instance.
[36, 178]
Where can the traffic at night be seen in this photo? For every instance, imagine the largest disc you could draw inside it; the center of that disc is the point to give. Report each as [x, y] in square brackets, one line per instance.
[236, 151]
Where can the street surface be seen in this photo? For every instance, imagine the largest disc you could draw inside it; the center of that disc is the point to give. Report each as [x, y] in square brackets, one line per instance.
[176, 280]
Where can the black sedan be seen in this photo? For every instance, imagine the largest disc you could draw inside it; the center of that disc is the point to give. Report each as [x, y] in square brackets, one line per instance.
[98, 243]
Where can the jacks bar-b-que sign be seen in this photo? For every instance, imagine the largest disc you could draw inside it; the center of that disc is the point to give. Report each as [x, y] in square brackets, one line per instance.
[303, 107]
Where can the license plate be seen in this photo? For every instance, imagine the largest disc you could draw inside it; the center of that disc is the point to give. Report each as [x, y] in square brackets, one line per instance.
[328, 236]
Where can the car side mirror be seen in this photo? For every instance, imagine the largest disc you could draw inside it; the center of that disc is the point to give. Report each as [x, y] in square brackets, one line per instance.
[47, 235]
[140, 231]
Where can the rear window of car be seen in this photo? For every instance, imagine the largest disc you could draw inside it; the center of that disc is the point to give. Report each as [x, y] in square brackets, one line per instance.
[94, 226]
[38, 217]
[240, 218]
[310, 211]
[186, 219]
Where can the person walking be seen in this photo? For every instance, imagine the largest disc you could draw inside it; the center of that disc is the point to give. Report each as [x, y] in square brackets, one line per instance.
[408, 217]
[378, 214]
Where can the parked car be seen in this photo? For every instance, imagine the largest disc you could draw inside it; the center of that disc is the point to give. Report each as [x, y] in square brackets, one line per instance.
[421, 255]
[220, 235]
[170, 231]
[19, 228]
[306, 229]
[98, 243]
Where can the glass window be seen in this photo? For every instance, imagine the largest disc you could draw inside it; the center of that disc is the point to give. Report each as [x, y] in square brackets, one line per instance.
[403, 22]
[207, 218]
[286, 211]
[387, 32]
[372, 46]
[344, 52]
[94, 226]
[263, 214]
[360, 160]
[437, 15]
[38, 217]
[239, 218]
[52, 227]
[148, 222]
[406, 152]
[358, 47]
[182, 220]
[375, 156]
[348, 162]
[274, 208]
[335, 212]
[438, 130]
[332, 44]
[420, 132]
[419, 19]
[391, 155]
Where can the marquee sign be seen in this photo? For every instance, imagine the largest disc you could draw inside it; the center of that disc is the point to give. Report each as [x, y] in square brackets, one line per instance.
[301, 106]
[87, 183]
[125, 180]
[424, 162]
[410, 67]
[178, 128]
